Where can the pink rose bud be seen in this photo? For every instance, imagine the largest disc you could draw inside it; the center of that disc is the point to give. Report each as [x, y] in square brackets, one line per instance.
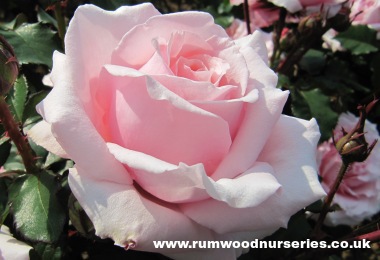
[8, 66]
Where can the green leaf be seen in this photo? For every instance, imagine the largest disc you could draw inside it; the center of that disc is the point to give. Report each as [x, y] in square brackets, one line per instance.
[17, 98]
[30, 106]
[44, 251]
[359, 39]
[44, 17]
[5, 149]
[37, 212]
[320, 109]
[14, 161]
[3, 195]
[313, 62]
[33, 43]
[300, 107]
[224, 21]
[20, 19]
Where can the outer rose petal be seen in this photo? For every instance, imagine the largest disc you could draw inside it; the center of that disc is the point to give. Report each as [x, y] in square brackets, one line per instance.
[41, 134]
[11, 248]
[57, 109]
[297, 176]
[184, 183]
[121, 212]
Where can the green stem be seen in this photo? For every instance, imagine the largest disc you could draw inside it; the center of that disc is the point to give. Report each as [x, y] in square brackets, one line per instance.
[60, 21]
[17, 137]
[329, 199]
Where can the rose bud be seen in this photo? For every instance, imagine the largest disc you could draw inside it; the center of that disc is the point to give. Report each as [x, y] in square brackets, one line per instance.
[8, 66]
[353, 146]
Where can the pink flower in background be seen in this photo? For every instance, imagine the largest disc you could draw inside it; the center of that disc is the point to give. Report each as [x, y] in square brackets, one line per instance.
[238, 29]
[175, 130]
[366, 12]
[359, 193]
[265, 13]
[11, 248]
[260, 14]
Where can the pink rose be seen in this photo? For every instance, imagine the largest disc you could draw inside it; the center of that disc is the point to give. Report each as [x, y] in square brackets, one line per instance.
[11, 248]
[366, 12]
[176, 131]
[359, 193]
[263, 14]
[259, 13]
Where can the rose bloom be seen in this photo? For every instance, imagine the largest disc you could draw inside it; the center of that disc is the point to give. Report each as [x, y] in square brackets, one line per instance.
[366, 12]
[176, 131]
[263, 14]
[358, 195]
[260, 14]
[11, 248]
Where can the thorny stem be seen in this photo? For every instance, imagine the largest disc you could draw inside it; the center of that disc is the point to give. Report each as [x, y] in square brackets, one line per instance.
[329, 199]
[60, 22]
[246, 16]
[17, 137]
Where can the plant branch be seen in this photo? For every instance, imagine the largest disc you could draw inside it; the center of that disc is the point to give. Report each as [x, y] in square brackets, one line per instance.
[246, 16]
[60, 22]
[12, 128]
[329, 199]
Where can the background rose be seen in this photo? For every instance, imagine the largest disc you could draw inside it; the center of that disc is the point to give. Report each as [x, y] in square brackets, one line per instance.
[238, 29]
[176, 130]
[366, 12]
[11, 248]
[359, 193]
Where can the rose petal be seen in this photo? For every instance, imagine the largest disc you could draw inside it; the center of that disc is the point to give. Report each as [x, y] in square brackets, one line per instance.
[190, 183]
[297, 176]
[166, 181]
[120, 212]
[63, 110]
[251, 137]
[101, 34]
[169, 121]
[249, 189]
[139, 38]
[11, 248]
[196, 91]
[232, 111]
[255, 41]
[41, 134]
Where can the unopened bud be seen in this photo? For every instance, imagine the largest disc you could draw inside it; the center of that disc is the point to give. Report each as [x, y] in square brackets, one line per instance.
[8, 66]
[310, 24]
[353, 146]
